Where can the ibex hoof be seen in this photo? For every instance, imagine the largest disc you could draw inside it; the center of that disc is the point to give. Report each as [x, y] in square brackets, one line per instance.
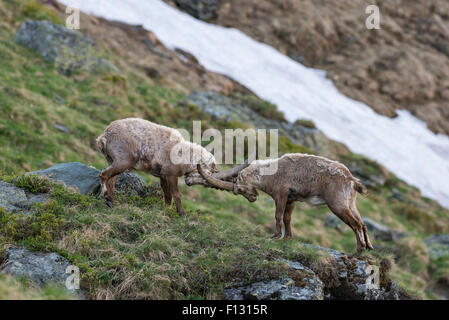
[109, 204]
[276, 236]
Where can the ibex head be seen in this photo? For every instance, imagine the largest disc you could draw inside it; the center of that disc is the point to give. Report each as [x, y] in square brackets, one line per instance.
[237, 186]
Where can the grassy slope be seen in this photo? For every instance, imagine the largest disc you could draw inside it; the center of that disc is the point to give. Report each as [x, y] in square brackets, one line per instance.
[142, 249]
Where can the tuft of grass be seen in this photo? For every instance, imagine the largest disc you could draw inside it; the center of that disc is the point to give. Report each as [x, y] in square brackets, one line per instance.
[33, 10]
[32, 183]
[263, 107]
[305, 123]
[285, 145]
[13, 289]
[367, 166]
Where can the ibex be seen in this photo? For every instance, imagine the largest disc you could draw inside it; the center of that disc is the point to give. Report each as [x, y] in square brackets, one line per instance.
[142, 145]
[299, 177]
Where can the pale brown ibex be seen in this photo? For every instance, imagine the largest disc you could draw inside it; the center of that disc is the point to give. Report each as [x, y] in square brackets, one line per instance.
[299, 177]
[142, 145]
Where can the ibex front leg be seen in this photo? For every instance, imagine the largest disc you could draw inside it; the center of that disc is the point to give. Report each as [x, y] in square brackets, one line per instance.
[281, 203]
[173, 186]
[287, 219]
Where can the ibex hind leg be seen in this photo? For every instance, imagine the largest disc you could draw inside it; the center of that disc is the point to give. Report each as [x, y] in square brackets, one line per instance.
[357, 216]
[344, 213]
[109, 176]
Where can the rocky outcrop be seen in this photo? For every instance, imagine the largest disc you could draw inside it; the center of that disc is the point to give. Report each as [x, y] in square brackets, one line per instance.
[200, 9]
[309, 288]
[67, 49]
[39, 268]
[16, 200]
[380, 231]
[348, 277]
[372, 174]
[84, 179]
[338, 277]
[438, 245]
[231, 109]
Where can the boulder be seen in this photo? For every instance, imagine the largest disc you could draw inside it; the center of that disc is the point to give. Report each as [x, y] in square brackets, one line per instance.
[379, 231]
[67, 49]
[310, 287]
[40, 268]
[438, 245]
[84, 179]
[16, 200]
[131, 183]
[200, 9]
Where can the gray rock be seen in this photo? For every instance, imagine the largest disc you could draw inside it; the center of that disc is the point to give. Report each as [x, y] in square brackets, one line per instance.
[149, 44]
[200, 9]
[353, 279]
[228, 109]
[380, 231]
[67, 49]
[40, 268]
[132, 184]
[13, 199]
[438, 245]
[396, 194]
[16, 200]
[85, 179]
[368, 171]
[61, 128]
[75, 175]
[310, 288]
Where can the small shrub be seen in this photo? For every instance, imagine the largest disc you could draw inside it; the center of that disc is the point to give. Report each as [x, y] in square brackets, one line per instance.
[36, 11]
[305, 123]
[287, 146]
[36, 230]
[33, 183]
[118, 81]
[367, 166]
[262, 107]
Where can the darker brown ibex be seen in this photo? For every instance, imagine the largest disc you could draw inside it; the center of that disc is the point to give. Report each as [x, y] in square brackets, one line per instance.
[301, 177]
[143, 145]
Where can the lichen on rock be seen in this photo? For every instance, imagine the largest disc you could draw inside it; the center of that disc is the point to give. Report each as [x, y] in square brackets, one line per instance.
[309, 288]
[67, 49]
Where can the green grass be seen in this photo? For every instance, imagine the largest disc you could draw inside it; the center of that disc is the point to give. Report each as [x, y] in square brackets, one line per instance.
[14, 289]
[306, 123]
[260, 106]
[141, 249]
